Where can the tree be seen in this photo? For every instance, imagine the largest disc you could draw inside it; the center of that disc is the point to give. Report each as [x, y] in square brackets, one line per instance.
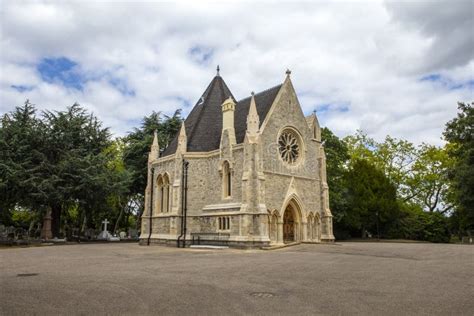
[21, 137]
[337, 159]
[418, 173]
[430, 179]
[371, 199]
[416, 224]
[394, 157]
[137, 147]
[74, 166]
[56, 162]
[459, 133]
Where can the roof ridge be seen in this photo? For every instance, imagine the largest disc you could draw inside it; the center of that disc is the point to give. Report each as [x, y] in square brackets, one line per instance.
[222, 89]
[261, 92]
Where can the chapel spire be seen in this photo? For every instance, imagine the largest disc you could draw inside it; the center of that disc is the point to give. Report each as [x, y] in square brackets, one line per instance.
[155, 148]
[253, 121]
[182, 139]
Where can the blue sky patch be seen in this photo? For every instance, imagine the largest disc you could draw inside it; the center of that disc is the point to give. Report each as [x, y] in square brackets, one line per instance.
[62, 70]
[201, 54]
[121, 86]
[22, 88]
[336, 107]
[448, 83]
[432, 77]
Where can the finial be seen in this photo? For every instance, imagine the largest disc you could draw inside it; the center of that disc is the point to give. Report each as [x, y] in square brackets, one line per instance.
[218, 69]
[288, 72]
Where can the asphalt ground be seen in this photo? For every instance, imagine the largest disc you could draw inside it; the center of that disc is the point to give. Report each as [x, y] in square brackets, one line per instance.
[337, 279]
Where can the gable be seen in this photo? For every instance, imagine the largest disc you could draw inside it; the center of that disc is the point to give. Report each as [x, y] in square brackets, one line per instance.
[286, 111]
[263, 101]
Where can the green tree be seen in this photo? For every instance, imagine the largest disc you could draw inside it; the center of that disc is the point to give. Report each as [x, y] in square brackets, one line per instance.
[394, 157]
[418, 173]
[459, 133]
[416, 224]
[371, 198]
[337, 160]
[430, 179]
[74, 168]
[137, 147]
[55, 162]
[21, 137]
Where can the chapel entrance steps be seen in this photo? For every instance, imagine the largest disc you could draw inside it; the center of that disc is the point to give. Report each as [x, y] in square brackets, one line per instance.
[221, 241]
[295, 243]
[279, 246]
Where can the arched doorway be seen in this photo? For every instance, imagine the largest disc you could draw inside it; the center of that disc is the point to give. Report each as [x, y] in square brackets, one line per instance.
[289, 223]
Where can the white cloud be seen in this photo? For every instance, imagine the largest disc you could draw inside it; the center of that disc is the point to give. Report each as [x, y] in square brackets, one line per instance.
[360, 62]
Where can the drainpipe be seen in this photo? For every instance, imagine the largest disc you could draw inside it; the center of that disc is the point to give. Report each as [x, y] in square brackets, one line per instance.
[184, 202]
[186, 164]
[151, 204]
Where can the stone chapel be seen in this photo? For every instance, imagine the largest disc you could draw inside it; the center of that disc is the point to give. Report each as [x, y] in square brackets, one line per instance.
[248, 173]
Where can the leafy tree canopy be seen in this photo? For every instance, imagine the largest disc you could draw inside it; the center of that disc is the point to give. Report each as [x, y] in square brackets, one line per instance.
[459, 133]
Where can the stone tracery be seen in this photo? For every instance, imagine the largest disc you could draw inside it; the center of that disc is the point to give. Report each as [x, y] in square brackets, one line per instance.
[289, 146]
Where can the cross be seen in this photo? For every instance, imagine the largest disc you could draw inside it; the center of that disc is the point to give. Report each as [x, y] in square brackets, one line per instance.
[105, 224]
[218, 69]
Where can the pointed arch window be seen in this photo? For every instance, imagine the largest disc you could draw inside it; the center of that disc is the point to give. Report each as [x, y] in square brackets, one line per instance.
[163, 191]
[166, 194]
[226, 179]
[160, 188]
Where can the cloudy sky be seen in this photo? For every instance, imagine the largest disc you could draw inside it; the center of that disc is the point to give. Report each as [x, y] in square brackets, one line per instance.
[383, 67]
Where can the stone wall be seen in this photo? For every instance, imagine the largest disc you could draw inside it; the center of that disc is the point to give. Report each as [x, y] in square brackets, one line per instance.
[286, 112]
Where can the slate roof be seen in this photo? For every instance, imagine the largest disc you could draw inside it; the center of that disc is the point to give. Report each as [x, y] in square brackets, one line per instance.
[204, 122]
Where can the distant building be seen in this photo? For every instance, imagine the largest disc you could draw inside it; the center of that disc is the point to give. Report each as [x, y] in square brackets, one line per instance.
[256, 173]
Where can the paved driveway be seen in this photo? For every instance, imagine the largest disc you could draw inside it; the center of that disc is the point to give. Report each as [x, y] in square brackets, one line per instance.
[345, 278]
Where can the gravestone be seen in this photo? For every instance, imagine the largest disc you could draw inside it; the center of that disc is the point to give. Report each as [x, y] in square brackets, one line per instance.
[132, 233]
[113, 238]
[57, 240]
[104, 235]
[89, 233]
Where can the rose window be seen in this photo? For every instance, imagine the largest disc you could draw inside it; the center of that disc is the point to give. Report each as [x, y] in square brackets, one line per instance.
[289, 146]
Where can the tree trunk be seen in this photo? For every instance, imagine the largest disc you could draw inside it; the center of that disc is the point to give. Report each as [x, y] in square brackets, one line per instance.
[56, 219]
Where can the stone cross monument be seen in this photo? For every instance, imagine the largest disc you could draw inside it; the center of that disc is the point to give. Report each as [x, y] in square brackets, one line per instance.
[104, 235]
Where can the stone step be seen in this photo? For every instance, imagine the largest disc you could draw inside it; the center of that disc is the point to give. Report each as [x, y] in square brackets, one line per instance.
[279, 246]
[208, 247]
